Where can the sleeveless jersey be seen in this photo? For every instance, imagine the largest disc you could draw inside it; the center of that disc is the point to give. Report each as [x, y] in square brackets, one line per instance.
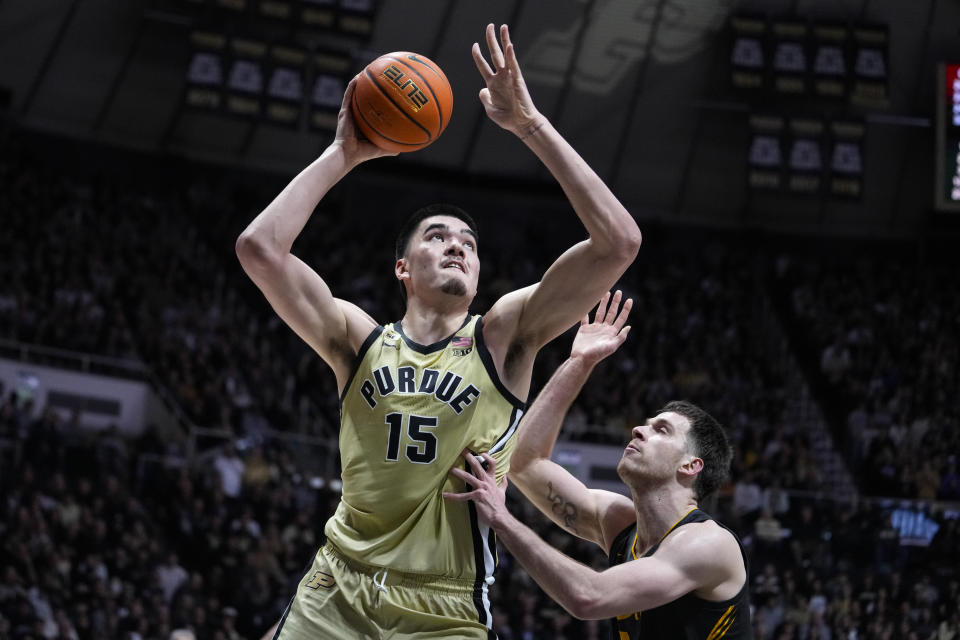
[407, 414]
[688, 617]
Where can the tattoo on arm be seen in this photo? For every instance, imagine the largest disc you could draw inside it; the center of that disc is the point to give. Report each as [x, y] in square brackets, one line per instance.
[566, 510]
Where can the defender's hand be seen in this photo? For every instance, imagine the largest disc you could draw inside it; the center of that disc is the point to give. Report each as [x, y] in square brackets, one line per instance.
[598, 339]
[505, 98]
[489, 498]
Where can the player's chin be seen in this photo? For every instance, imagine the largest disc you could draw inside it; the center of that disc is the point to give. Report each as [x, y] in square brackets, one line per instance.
[454, 287]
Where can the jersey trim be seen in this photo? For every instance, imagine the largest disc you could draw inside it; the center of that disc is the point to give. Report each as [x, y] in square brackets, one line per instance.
[485, 564]
[361, 352]
[501, 442]
[487, 361]
[430, 348]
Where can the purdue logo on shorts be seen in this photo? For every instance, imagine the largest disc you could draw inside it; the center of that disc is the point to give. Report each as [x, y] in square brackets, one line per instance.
[321, 579]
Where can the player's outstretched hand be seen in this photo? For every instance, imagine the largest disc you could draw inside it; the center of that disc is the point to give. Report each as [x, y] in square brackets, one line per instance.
[489, 498]
[505, 98]
[348, 135]
[598, 339]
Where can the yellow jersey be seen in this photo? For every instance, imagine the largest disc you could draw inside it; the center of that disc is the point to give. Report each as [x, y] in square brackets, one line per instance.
[407, 413]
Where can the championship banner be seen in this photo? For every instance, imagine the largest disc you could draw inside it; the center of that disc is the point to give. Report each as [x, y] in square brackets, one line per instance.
[805, 157]
[748, 66]
[830, 69]
[285, 86]
[206, 71]
[789, 57]
[318, 14]
[356, 17]
[765, 157]
[870, 64]
[245, 78]
[846, 158]
[330, 73]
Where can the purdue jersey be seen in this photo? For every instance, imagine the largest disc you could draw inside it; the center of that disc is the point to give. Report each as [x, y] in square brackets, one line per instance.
[406, 415]
[688, 617]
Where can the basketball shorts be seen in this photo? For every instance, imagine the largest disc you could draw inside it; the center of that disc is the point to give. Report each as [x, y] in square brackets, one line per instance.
[340, 599]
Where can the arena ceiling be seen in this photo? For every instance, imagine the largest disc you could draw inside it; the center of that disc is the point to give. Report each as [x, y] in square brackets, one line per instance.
[640, 87]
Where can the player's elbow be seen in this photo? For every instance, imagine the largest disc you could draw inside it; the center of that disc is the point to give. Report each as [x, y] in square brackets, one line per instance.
[254, 254]
[627, 244]
[585, 604]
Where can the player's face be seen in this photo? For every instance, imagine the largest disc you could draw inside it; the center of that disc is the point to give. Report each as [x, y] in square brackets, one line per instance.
[442, 255]
[656, 449]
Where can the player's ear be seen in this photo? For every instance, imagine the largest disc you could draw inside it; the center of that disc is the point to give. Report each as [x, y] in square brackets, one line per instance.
[401, 269]
[691, 466]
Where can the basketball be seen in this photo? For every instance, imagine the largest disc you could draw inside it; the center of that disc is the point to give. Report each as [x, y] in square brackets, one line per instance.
[402, 101]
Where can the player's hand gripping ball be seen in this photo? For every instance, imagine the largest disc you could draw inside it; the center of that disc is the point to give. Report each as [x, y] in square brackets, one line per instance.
[402, 102]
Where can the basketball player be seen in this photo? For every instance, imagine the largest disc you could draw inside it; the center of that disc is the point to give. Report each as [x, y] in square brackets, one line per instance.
[674, 571]
[400, 562]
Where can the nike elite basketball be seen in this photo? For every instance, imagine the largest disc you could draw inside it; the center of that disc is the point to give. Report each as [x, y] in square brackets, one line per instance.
[402, 101]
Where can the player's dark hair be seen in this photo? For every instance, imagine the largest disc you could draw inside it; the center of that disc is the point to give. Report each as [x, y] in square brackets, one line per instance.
[418, 216]
[708, 441]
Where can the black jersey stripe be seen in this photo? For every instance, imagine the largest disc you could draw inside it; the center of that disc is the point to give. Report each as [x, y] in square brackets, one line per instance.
[501, 442]
[487, 361]
[479, 560]
[367, 343]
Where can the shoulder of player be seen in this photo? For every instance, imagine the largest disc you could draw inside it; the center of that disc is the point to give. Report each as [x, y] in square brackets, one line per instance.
[701, 544]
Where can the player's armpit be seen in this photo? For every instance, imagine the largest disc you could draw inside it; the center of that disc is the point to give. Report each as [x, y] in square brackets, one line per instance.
[569, 289]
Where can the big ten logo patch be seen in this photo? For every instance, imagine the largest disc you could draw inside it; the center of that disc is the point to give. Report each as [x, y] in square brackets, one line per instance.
[407, 86]
[321, 579]
[461, 346]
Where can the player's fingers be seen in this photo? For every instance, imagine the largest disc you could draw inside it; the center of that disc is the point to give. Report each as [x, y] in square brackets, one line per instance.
[585, 320]
[508, 50]
[601, 308]
[614, 305]
[474, 463]
[485, 71]
[467, 477]
[624, 312]
[457, 497]
[491, 463]
[496, 54]
[622, 335]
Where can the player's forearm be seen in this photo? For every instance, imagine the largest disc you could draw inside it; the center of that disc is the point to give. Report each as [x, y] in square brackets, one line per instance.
[611, 227]
[542, 423]
[570, 583]
[272, 233]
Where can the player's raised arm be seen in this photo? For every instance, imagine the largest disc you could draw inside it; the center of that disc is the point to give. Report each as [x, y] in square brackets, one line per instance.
[588, 513]
[334, 328]
[572, 284]
[701, 558]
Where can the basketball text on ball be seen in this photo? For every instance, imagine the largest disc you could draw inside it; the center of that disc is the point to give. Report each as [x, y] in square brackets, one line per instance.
[418, 98]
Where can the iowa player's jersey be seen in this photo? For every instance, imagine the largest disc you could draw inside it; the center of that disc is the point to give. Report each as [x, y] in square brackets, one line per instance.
[688, 617]
[406, 415]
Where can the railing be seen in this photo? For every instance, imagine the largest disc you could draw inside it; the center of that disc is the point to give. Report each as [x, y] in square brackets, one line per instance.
[75, 360]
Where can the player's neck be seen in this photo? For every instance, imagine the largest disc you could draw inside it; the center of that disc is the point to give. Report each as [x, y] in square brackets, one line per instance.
[658, 511]
[425, 325]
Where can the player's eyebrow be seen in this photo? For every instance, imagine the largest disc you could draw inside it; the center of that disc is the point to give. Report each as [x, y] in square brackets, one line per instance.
[443, 227]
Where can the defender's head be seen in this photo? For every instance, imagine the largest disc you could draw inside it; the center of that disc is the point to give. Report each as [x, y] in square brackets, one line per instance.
[681, 441]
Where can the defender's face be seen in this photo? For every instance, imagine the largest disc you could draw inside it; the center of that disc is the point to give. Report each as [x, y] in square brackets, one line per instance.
[656, 449]
[441, 255]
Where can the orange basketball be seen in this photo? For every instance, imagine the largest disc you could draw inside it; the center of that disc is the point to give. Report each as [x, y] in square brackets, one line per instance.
[402, 101]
